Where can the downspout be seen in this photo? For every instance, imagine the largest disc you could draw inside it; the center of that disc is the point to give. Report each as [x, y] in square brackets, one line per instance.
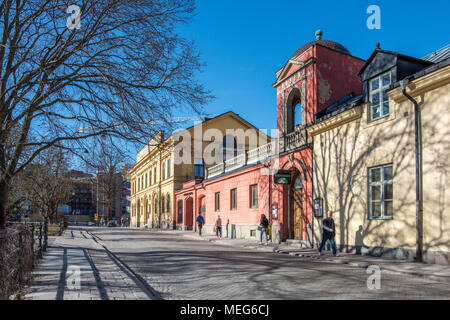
[419, 172]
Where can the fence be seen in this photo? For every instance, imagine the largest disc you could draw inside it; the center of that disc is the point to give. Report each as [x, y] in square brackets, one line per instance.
[21, 244]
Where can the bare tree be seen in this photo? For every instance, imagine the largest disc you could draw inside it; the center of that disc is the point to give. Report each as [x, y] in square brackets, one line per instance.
[108, 161]
[122, 71]
[46, 183]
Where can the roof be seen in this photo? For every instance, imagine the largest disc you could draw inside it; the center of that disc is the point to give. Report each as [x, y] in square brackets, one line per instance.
[423, 72]
[348, 102]
[325, 43]
[377, 50]
[438, 55]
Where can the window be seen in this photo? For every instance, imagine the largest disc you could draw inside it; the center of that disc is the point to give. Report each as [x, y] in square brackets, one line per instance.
[379, 99]
[229, 150]
[380, 192]
[180, 212]
[199, 169]
[217, 201]
[146, 180]
[168, 168]
[162, 205]
[297, 117]
[168, 203]
[233, 196]
[254, 196]
[164, 171]
[150, 177]
[154, 175]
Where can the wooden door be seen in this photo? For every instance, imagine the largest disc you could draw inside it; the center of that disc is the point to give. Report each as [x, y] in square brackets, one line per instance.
[298, 214]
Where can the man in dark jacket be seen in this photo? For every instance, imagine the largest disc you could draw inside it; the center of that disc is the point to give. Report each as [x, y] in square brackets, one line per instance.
[329, 233]
[200, 223]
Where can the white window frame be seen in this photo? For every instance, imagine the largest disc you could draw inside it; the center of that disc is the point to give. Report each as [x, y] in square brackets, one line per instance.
[380, 90]
[381, 183]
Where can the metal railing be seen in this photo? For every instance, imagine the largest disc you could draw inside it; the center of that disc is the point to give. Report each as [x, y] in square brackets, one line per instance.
[21, 244]
[257, 155]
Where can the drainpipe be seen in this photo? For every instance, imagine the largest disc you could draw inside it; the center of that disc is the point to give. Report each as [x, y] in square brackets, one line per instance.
[419, 172]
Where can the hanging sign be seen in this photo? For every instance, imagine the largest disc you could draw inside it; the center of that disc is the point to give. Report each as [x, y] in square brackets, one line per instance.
[282, 177]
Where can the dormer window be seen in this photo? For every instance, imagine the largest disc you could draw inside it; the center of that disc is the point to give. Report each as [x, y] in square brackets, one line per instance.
[378, 97]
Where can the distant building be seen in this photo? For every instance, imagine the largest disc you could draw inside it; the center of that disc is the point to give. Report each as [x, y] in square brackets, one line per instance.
[126, 189]
[83, 195]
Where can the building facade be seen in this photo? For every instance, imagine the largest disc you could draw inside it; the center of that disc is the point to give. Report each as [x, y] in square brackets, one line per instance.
[316, 75]
[167, 162]
[365, 160]
[83, 194]
[346, 143]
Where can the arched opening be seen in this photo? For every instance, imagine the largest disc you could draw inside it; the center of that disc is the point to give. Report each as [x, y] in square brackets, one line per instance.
[155, 211]
[145, 211]
[138, 214]
[294, 112]
[180, 212]
[202, 206]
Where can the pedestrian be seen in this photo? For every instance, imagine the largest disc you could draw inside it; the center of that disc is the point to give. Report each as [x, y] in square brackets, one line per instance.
[218, 226]
[263, 227]
[328, 233]
[200, 223]
[228, 223]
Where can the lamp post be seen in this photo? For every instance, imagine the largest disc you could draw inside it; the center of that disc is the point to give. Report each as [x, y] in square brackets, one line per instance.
[268, 165]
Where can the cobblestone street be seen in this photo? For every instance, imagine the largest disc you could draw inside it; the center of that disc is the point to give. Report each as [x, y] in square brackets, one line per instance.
[132, 264]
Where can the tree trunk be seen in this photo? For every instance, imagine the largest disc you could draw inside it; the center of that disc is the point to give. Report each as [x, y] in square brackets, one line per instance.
[4, 194]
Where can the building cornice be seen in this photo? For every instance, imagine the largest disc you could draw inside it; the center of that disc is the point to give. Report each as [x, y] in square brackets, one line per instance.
[335, 121]
[423, 84]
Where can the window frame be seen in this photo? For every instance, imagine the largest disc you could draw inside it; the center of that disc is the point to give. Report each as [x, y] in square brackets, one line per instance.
[381, 184]
[380, 91]
[233, 199]
[217, 202]
[254, 196]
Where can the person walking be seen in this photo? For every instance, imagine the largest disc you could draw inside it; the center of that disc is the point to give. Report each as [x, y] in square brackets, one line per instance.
[263, 225]
[200, 223]
[218, 226]
[329, 232]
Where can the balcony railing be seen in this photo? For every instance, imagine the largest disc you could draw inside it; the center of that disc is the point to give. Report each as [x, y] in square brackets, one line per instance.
[253, 156]
[293, 140]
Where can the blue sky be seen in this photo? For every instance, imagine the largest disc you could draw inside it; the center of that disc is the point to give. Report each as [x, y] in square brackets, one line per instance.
[245, 42]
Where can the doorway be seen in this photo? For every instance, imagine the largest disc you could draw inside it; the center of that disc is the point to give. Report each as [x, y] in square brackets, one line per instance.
[295, 227]
[189, 214]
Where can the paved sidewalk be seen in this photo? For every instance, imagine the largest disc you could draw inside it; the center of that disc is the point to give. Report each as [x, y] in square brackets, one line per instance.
[432, 271]
[75, 267]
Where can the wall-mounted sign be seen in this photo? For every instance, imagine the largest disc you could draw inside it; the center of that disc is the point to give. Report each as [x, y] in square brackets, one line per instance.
[282, 177]
[275, 211]
[318, 207]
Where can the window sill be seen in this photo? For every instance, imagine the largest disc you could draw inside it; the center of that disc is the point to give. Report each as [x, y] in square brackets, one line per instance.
[381, 218]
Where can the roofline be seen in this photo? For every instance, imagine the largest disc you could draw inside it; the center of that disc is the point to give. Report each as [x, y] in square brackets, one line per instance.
[376, 51]
[312, 46]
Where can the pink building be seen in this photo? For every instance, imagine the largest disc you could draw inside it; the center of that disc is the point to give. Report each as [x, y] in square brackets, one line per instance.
[317, 75]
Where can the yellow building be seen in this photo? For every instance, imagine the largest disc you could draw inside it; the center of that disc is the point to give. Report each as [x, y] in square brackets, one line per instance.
[166, 163]
[365, 165]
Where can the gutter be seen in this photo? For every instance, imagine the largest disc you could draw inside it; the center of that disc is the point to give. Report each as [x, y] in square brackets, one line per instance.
[419, 171]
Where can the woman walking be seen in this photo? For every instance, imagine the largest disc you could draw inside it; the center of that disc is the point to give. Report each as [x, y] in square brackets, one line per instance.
[264, 226]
